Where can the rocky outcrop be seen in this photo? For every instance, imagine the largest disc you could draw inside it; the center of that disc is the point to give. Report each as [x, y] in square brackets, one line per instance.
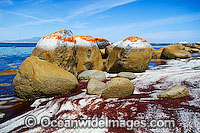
[95, 87]
[174, 51]
[95, 74]
[128, 75]
[174, 92]
[87, 54]
[39, 78]
[102, 43]
[132, 54]
[58, 48]
[157, 53]
[118, 88]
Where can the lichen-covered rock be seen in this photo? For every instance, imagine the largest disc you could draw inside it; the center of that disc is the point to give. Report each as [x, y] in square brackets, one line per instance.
[176, 91]
[128, 75]
[101, 42]
[157, 53]
[95, 87]
[174, 51]
[39, 78]
[132, 54]
[118, 88]
[95, 74]
[74, 54]
[88, 54]
[58, 48]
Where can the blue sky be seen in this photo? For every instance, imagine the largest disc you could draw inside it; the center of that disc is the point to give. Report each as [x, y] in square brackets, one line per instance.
[153, 20]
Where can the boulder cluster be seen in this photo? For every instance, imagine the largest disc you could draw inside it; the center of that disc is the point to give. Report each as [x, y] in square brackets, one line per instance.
[61, 59]
[176, 51]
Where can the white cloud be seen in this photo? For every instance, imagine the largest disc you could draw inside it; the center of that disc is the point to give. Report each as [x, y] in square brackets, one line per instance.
[91, 8]
[95, 7]
[23, 15]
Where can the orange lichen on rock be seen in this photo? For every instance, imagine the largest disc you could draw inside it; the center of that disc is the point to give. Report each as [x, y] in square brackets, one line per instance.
[101, 39]
[87, 38]
[60, 36]
[134, 39]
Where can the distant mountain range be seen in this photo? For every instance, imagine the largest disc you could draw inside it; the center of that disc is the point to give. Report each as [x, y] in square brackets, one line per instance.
[31, 40]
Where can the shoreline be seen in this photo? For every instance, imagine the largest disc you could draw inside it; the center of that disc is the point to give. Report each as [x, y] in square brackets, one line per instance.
[144, 96]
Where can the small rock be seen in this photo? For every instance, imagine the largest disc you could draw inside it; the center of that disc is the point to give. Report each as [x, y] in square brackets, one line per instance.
[5, 84]
[178, 58]
[128, 75]
[159, 61]
[95, 87]
[96, 74]
[8, 72]
[193, 50]
[2, 102]
[176, 91]
[118, 88]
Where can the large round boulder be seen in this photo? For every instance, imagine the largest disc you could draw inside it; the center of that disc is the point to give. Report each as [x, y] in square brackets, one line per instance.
[132, 54]
[174, 51]
[88, 54]
[58, 48]
[118, 88]
[39, 78]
